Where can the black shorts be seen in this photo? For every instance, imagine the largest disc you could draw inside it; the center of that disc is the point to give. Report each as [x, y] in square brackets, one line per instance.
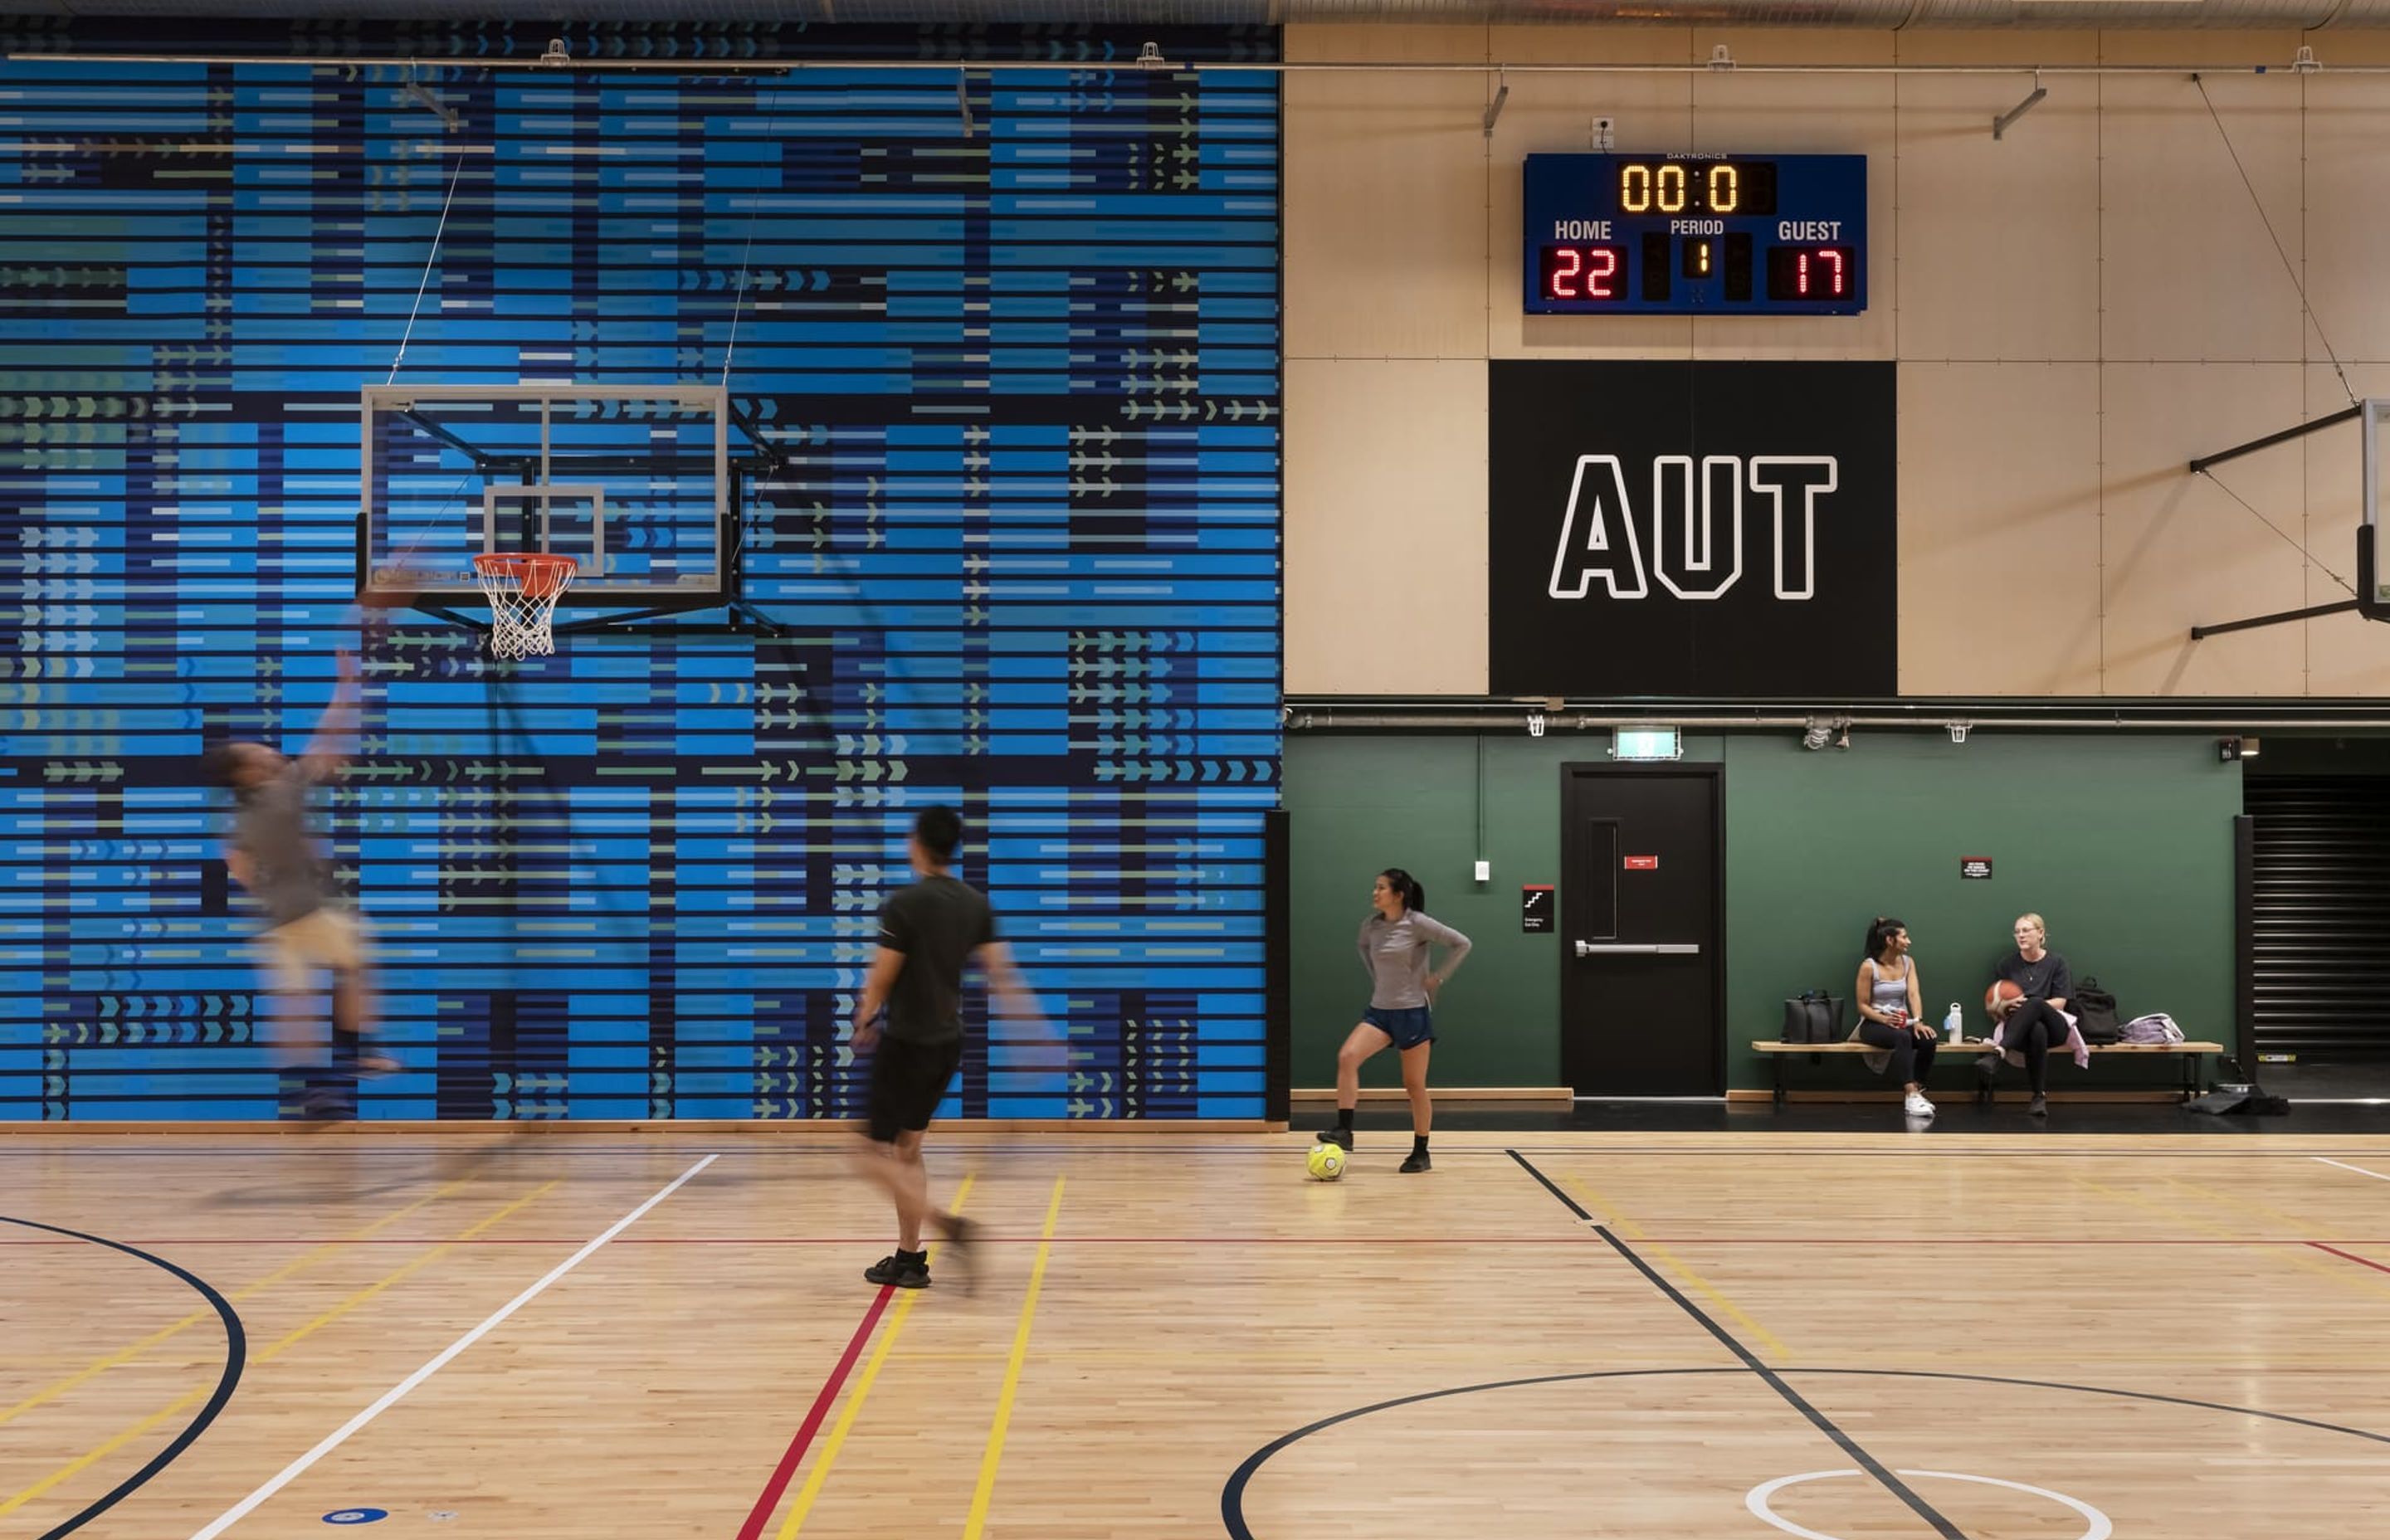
[908, 1080]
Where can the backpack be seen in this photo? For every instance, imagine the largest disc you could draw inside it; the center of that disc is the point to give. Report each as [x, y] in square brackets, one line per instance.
[1813, 1015]
[2095, 1013]
[2155, 1028]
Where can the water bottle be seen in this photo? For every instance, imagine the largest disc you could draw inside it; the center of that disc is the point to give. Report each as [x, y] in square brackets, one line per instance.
[1955, 1024]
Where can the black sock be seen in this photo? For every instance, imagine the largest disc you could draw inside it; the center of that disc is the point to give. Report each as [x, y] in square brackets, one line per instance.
[903, 1255]
[1344, 1118]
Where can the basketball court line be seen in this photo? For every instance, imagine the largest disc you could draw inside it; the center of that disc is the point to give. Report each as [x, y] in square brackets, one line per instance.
[1824, 1424]
[323, 1252]
[819, 1474]
[2024, 1145]
[1427, 1241]
[985, 1490]
[2346, 1257]
[390, 1397]
[2287, 1250]
[1619, 1221]
[769, 1502]
[133, 1430]
[219, 1397]
[1232, 1493]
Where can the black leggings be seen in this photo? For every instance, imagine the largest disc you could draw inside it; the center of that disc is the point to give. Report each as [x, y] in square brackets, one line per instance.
[1912, 1057]
[2035, 1028]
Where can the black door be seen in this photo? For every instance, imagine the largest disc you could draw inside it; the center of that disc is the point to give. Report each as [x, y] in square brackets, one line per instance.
[1643, 963]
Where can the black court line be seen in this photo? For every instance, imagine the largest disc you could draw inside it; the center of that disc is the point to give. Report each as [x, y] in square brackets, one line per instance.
[1751, 1361]
[824, 1149]
[235, 1358]
[1232, 1495]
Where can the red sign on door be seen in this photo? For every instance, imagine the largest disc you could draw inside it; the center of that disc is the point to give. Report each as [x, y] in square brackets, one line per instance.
[1642, 862]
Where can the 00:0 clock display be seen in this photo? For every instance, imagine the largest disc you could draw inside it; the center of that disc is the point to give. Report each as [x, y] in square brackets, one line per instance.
[1697, 188]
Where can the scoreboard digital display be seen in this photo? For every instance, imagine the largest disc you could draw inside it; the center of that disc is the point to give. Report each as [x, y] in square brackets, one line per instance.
[1696, 235]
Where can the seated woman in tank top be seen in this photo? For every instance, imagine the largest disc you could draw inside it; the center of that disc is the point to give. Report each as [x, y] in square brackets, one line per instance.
[1890, 1016]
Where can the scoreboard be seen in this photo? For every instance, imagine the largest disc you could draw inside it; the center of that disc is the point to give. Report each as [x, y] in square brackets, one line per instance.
[1696, 235]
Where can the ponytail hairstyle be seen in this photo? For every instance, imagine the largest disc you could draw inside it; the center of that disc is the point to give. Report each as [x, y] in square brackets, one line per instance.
[1414, 896]
[1880, 933]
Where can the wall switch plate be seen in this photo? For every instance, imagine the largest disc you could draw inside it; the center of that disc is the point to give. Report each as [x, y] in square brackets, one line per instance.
[1485, 871]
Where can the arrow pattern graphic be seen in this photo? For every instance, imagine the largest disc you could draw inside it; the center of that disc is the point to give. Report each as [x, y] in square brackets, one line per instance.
[1015, 401]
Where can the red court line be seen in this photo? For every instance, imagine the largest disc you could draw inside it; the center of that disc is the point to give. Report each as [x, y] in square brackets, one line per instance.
[2346, 1257]
[1249, 1240]
[769, 1503]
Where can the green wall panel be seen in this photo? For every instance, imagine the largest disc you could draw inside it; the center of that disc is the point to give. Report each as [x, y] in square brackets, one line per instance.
[2123, 843]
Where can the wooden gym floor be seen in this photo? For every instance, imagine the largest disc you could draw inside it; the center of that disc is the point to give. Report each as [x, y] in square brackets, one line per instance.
[591, 1335]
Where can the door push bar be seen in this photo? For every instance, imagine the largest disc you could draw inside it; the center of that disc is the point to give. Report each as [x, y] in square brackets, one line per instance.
[1638, 949]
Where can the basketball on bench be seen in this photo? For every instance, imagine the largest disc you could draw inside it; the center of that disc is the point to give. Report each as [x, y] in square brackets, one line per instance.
[2001, 990]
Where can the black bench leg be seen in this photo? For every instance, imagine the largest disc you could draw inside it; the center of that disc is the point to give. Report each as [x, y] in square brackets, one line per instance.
[1779, 1078]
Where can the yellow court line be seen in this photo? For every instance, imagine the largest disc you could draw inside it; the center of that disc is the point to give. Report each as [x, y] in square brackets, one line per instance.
[92, 1456]
[2305, 1227]
[51, 1392]
[846, 1414]
[2294, 1251]
[1618, 1221]
[995, 1456]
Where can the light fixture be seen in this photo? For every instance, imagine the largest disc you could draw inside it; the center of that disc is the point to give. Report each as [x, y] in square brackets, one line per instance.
[1535, 724]
[2230, 748]
[1816, 734]
[1149, 57]
[1958, 731]
[1720, 58]
[557, 55]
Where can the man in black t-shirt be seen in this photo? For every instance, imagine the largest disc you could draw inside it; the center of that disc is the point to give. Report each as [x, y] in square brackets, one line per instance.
[927, 933]
[2031, 1025]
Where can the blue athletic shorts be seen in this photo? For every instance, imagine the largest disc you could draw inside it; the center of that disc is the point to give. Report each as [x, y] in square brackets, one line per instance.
[1408, 1028]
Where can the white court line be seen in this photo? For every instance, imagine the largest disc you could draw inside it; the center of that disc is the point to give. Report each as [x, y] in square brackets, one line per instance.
[2359, 1170]
[291, 1472]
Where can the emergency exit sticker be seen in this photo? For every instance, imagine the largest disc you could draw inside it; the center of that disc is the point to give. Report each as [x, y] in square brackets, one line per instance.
[1642, 862]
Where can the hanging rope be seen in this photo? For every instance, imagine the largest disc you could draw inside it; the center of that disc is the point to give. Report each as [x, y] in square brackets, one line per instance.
[430, 259]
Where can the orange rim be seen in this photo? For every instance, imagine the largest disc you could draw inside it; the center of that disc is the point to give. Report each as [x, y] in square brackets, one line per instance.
[538, 575]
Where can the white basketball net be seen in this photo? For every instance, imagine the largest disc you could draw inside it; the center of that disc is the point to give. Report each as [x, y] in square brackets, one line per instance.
[523, 591]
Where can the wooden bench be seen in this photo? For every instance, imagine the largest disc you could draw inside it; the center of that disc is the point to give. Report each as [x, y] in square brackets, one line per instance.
[2194, 1055]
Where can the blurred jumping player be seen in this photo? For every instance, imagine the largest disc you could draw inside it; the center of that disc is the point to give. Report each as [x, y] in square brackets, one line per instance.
[273, 854]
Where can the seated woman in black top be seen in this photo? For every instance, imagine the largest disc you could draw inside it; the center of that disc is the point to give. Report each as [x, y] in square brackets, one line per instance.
[2031, 1025]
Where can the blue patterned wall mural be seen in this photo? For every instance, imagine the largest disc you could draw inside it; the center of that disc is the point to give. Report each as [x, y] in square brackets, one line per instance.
[1022, 552]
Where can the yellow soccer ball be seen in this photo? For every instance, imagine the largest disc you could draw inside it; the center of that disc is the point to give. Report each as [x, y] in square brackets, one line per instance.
[1327, 1160]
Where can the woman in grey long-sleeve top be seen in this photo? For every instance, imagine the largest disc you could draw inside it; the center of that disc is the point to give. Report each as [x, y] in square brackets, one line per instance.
[1394, 942]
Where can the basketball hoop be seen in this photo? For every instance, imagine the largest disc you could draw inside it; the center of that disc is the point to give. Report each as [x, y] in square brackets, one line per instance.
[522, 589]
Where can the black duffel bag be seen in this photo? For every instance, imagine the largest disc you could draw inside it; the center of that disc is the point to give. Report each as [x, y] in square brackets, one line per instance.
[1813, 1015]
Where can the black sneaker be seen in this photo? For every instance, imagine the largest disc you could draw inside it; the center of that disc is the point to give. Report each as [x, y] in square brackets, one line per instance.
[2037, 1108]
[959, 1233]
[902, 1271]
[1340, 1136]
[1418, 1161]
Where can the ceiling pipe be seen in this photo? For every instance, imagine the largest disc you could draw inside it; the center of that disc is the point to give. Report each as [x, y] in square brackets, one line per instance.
[1866, 15]
[596, 65]
[1305, 721]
